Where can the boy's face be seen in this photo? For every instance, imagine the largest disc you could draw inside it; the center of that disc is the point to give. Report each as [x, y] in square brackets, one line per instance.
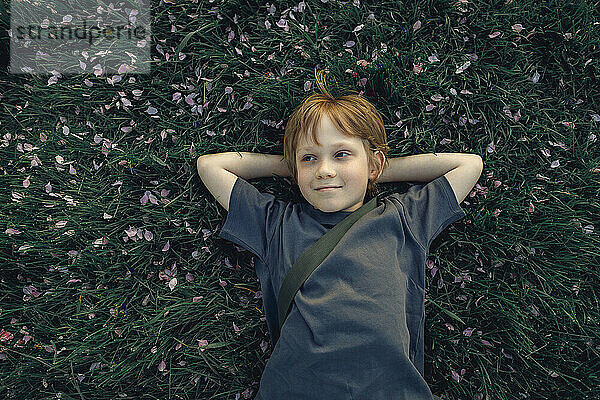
[339, 161]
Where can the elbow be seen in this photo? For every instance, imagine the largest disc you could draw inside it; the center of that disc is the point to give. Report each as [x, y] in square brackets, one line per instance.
[200, 162]
[479, 160]
[203, 158]
[471, 159]
[479, 163]
[475, 162]
[209, 159]
[476, 157]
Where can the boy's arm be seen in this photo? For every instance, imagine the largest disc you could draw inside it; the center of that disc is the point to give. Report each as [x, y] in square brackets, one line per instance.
[461, 169]
[219, 171]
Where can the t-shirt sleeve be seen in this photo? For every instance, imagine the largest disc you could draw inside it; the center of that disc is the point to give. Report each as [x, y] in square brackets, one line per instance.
[252, 218]
[428, 209]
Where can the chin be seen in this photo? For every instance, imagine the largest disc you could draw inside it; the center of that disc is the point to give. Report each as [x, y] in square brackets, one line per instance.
[326, 209]
[321, 208]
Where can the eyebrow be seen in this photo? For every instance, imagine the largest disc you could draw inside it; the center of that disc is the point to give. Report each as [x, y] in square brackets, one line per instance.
[338, 144]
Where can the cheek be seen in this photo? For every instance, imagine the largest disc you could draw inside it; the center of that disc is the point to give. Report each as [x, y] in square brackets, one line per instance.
[303, 176]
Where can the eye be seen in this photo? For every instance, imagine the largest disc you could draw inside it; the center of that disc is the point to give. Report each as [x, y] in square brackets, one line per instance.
[337, 154]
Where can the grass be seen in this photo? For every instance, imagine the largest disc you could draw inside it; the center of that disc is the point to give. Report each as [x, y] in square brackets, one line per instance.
[512, 308]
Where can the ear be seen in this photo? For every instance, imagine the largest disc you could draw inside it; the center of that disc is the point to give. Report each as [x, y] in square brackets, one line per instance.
[376, 172]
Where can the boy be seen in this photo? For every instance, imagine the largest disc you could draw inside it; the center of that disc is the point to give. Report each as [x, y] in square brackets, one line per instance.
[355, 327]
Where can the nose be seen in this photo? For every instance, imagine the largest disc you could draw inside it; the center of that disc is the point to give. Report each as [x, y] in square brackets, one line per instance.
[325, 170]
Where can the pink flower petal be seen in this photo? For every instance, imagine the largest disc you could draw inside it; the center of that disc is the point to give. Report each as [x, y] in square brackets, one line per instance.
[5, 336]
[455, 376]
[152, 198]
[202, 343]
[517, 27]
[131, 232]
[463, 67]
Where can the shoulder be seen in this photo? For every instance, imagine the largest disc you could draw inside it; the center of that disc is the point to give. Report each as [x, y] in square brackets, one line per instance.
[251, 203]
[419, 191]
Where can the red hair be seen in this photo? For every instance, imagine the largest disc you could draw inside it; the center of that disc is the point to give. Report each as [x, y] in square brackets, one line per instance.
[352, 115]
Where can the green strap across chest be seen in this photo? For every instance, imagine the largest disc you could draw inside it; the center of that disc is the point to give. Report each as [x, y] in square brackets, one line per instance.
[311, 259]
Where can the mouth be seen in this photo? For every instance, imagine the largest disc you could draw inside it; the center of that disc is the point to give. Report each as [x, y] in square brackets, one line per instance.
[327, 188]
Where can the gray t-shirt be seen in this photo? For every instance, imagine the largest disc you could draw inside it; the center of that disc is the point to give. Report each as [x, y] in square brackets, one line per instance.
[355, 327]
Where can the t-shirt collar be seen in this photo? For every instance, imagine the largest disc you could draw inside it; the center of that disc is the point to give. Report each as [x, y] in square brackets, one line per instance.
[330, 218]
